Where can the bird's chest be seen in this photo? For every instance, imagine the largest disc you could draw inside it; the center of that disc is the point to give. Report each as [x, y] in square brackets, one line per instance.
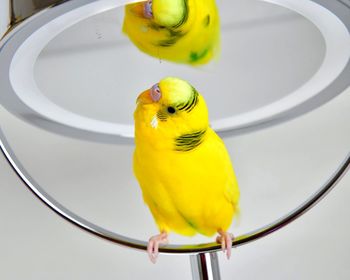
[174, 173]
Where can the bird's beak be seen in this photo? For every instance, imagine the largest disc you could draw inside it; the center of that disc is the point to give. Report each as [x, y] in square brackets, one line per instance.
[145, 97]
[139, 9]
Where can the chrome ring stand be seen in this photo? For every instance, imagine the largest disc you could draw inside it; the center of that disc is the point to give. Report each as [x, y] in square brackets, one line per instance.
[203, 257]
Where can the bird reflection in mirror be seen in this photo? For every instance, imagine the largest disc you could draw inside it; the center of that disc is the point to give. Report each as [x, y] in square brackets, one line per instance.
[181, 31]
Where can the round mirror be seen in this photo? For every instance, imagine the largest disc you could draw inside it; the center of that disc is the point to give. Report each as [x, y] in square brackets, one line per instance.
[69, 82]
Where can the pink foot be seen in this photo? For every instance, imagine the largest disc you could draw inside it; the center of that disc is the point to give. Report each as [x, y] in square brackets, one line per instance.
[153, 245]
[225, 239]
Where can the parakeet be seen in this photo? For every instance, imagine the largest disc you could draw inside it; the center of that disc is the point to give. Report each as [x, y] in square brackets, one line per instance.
[182, 31]
[182, 165]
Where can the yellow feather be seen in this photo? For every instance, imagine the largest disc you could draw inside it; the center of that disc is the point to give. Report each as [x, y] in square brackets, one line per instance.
[188, 191]
[194, 40]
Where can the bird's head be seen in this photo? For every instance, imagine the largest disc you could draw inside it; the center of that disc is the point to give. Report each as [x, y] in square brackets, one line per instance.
[166, 13]
[171, 108]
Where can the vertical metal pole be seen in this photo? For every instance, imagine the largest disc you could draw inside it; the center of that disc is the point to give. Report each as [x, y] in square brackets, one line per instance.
[205, 266]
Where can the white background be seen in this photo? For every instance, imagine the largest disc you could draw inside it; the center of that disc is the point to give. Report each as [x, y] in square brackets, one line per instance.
[277, 168]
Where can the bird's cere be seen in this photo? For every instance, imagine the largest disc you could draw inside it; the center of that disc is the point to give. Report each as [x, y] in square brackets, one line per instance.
[155, 93]
[148, 9]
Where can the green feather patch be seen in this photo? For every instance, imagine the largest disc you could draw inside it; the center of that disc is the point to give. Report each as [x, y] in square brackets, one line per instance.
[191, 102]
[195, 56]
[189, 141]
[184, 16]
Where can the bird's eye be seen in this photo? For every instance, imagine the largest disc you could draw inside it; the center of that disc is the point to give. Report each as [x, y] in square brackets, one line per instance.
[156, 93]
[148, 9]
[171, 110]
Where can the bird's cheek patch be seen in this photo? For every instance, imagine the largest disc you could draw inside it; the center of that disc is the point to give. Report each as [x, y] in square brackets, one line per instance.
[154, 121]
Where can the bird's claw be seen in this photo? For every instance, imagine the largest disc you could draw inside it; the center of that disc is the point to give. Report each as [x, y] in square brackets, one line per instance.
[225, 239]
[153, 245]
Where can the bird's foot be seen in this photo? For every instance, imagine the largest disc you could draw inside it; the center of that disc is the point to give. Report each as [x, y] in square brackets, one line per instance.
[153, 245]
[225, 239]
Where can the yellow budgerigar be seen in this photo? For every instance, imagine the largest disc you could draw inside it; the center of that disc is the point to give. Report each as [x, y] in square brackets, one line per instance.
[182, 31]
[182, 165]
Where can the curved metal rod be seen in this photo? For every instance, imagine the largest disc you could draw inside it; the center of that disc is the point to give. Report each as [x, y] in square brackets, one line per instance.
[170, 249]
